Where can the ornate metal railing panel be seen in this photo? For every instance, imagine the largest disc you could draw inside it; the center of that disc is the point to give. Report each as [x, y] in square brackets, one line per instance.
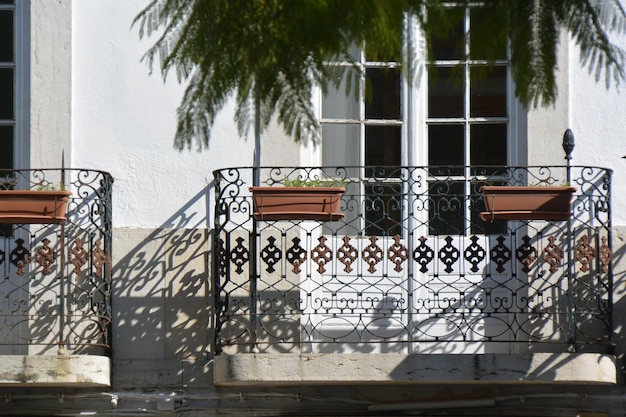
[411, 265]
[55, 286]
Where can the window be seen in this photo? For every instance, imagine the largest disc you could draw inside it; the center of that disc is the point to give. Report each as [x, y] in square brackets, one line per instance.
[367, 129]
[462, 122]
[13, 87]
[7, 83]
[467, 123]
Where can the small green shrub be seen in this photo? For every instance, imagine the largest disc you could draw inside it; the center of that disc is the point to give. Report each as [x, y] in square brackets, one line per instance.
[313, 183]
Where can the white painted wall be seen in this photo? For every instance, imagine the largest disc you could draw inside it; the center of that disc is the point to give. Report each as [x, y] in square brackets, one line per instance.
[123, 121]
[598, 119]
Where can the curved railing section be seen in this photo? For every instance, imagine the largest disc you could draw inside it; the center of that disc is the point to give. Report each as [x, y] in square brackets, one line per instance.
[55, 286]
[410, 264]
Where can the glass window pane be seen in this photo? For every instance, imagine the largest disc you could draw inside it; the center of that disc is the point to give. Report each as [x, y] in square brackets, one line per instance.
[340, 145]
[6, 145]
[481, 18]
[383, 145]
[6, 36]
[382, 94]
[446, 207]
[6, 97]
[488, 144]
[383, 208]
[446, 148]
[445, 92]
[449, 46]
[336, 104]
[488, 92]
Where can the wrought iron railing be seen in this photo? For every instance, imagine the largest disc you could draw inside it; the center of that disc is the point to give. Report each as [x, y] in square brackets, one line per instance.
[55, 278]
[411, 265]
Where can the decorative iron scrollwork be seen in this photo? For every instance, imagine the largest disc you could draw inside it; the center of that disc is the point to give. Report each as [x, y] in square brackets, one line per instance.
[449, 254]
[372, 254]
[221, 257]
[78, 256]
[45, 256]
[20, 256]
[397, 253]
[500, 254]
[475, 253]
[270, 254]
[605, 255]
[321, 255]
[347, 254]
[584, 253]
[240, 255]
[423, 254]
[296, 255]
[552, 254]
[526, 253]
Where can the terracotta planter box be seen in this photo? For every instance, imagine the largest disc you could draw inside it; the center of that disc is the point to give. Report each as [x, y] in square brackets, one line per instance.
[527, 203]
[297, 203]
[31, 206]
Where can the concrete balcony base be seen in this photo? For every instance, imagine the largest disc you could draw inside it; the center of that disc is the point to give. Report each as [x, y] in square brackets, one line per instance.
[55, 371]
[319, 369]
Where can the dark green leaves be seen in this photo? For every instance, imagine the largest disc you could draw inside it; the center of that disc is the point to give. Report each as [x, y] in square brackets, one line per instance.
[274, 52]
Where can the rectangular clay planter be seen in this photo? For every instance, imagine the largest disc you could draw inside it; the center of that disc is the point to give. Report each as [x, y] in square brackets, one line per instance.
[297, 203]
[527, 203]
[31, 206]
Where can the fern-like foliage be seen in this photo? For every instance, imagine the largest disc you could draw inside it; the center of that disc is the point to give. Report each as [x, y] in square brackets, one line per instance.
[271, 54]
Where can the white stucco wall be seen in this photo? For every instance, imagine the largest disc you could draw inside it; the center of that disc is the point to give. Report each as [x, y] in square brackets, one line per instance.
[598, 119]
[123, 121]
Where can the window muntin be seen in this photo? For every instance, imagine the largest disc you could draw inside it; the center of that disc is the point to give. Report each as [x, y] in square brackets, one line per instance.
[467, 122]
[466, 116]
[366, 129]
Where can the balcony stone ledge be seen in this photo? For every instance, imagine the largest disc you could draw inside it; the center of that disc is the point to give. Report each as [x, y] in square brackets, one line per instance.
[84, 371]
[254, 369]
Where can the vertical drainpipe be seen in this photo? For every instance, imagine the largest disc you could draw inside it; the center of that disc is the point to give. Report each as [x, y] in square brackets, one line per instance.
[568, 147]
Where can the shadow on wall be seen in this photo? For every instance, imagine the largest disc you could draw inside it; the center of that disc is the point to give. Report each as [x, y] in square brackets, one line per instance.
[619, 299]
[161, 318]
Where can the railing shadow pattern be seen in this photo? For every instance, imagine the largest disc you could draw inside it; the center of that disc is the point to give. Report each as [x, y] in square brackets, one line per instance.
[411, 265]
[55, 287]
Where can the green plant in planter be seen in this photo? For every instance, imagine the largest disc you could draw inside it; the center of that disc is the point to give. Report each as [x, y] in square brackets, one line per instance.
[51, 187]
[313, 183]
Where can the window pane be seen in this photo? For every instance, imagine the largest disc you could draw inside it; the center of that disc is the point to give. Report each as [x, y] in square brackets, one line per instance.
[6, 36]
[336, 104]
[445, 92]
[445, 147]
[488, 93]
[488, 144]
[383, 146]
[6, 95]
[341, 145]
[6, 147]
[382, 94]
[383, 208]
[451, 45]
[446, 207]
[479, 18]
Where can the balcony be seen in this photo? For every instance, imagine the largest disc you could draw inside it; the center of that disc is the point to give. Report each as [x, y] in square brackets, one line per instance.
[409, 273]
[55, 305]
